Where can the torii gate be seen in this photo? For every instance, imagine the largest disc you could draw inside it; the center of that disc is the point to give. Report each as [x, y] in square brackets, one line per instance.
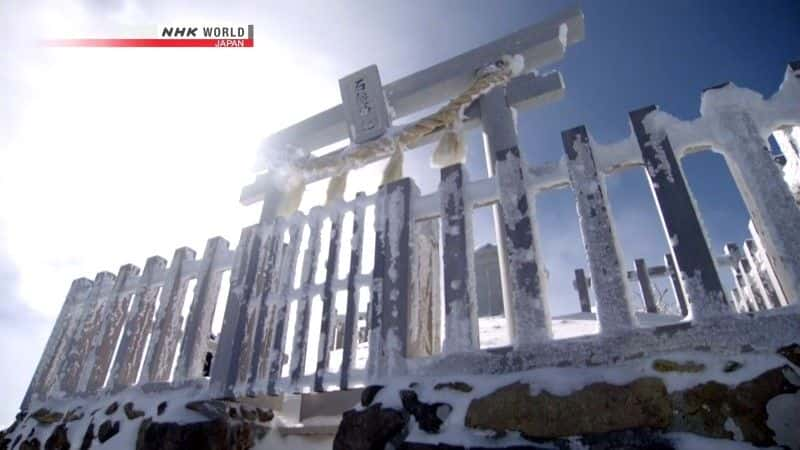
[368, 109]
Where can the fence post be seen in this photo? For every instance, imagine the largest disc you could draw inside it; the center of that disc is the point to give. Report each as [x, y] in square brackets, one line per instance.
[744, 292]
[425, 315]
[267, 284]
[645, 286]
[461, 312]
[288, 266]
[105, 341]
[750, 282]
[138, 325]
[310, 260]
[674, 279]
[582, 286]
[769, 201]
[326, 331]
[760, 276]
[500, 132]
[194, 344]
[375, 364]
[226, 366]
[167, 326]
[614, 306]
[693, 258]
[56, 343]
[350, 343]
[87, 327]
[390, 311]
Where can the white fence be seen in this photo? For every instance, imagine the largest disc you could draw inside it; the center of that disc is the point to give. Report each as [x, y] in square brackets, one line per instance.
[124, 330]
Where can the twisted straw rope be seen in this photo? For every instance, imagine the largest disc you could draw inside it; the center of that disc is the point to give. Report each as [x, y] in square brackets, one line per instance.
[445, 117]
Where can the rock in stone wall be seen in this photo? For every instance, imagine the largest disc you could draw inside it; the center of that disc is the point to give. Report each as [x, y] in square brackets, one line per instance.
[669, 402]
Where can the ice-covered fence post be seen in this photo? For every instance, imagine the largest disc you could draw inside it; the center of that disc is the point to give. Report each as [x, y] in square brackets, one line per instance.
[425, 316]
[353, 294]
[88, 327]
[257, 283]
[326, 330]
[766, 264]
[288, 266]
[56, 343]
[760, 276]
[582, 286]
[302, 324]
[614, 306]
[112, 318]
[769, 201]
[266, 284]
[744, 292]
[137, 325]
[226, 362]
[674, 279]
[500, 132]
[460, 304]
[198, 323]
[645, 286]
[739, 303]
[693, 258]
[750, 284]
[392, 278]
[167, 326]
[528, 313]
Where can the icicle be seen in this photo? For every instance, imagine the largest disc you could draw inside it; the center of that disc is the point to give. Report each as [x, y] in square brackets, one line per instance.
[394, 169]
[451, 149]
[336, 188]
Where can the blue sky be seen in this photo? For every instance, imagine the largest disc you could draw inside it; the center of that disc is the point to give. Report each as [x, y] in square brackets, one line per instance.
[110, 156]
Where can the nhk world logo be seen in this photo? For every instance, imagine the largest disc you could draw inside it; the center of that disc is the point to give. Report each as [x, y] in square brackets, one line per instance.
[166, 36]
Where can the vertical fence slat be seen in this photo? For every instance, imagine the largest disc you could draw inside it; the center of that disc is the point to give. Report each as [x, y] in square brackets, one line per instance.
[326, 337]
[645, 286]
[500, 132]
[267, 280]
[302, 324]
[461, 315]
[693, 258]
[674, 279]
[531, 310]
[88, 326]
[748, 274]
[745, 294]
[166, 328]
[766, 263]
[287, 273]
[399, 256]
[56, 343]
[425, 316]
[760, 276]
[254, 301]
[138, 325]
[225, 368]
[738, 301]
[614, 305]
[113, 317]
[197, 334]
[375, 364]
[353, 295]
[735, 254]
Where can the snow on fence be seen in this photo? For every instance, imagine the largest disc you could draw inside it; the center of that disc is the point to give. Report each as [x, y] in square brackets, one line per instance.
[124, 330]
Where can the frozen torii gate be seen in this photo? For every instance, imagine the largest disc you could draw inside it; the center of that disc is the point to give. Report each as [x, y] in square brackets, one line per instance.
[124, 331]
